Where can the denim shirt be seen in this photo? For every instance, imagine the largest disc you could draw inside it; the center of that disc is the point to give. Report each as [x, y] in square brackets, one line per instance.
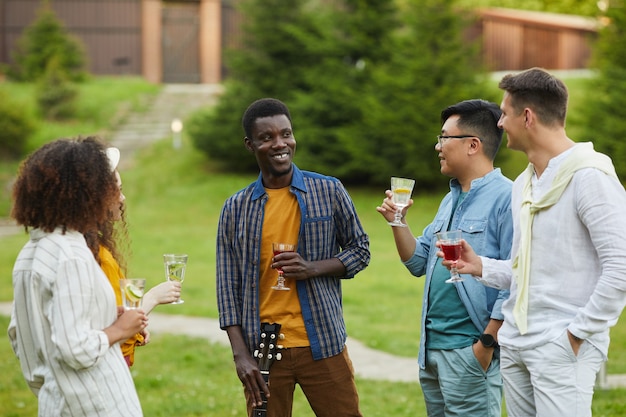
[485, 218]
[329, 228]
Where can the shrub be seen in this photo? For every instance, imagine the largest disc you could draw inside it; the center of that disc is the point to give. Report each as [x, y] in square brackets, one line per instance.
[604, 123]
[365, 81]
[42, 41]
[15, 129]
[56, 96]
[270, 63]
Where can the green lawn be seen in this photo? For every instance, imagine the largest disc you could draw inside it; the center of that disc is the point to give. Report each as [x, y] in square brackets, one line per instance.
[176, 209]
[174, 200]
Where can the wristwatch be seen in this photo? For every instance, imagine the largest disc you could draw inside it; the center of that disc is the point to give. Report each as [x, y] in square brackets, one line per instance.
[488, 340]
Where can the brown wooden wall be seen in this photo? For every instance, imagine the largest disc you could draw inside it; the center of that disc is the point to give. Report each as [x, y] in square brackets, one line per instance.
[162, 40]
[110, 30]
[231, 29]
[515, 40]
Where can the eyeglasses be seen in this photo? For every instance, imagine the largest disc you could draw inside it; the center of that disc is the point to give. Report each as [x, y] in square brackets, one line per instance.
[441, 138]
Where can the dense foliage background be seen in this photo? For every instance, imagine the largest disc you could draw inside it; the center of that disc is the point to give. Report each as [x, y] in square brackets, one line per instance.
[603, 120]
[365, 81]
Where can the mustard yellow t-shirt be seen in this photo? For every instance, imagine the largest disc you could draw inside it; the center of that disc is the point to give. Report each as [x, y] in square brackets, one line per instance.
[114, 273]
[281, 223]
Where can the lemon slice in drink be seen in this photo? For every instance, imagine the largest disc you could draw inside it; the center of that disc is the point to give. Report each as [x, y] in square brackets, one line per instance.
[133, 293]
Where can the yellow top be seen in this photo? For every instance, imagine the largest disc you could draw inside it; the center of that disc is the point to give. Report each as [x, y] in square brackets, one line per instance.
[281, 223]
[114, 273]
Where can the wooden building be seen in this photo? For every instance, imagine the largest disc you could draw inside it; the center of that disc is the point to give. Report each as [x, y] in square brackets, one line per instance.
[518, 39]
[182, 41]
[164, 41]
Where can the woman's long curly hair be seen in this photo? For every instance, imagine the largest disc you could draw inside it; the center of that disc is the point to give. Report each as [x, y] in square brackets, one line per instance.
[67, 183]
[113, 235]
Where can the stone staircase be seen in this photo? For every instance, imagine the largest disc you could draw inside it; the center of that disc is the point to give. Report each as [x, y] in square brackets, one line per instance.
[175, 101]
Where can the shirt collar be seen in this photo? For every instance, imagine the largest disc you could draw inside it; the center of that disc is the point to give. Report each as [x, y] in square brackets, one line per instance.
[477, 182]
[297, 182]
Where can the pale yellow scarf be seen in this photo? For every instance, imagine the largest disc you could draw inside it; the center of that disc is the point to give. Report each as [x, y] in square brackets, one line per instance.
[582, 156]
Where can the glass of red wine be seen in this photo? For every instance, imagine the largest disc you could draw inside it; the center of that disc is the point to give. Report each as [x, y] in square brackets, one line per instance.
[451, 246]
[279, 248]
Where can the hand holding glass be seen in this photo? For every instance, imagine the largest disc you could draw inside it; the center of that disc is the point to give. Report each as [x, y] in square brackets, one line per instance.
[175, 269]
[132, 292]
[402, 189]
[279, 248]
[451, 247]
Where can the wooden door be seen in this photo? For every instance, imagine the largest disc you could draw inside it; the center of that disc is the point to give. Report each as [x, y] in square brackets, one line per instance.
[181, 45]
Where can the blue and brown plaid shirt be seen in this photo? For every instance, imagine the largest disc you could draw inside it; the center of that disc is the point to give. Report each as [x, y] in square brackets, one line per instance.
[330, 228]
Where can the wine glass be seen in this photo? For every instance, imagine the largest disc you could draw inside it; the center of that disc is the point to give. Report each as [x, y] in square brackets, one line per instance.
[402, 189]
[280, 248]
[175, 265]
[451, 247]
[132, 292]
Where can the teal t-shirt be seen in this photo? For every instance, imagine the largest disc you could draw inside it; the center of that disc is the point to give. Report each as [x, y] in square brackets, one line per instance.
[448, 325]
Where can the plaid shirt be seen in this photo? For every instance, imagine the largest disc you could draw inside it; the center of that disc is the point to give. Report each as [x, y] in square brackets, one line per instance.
[329, 228]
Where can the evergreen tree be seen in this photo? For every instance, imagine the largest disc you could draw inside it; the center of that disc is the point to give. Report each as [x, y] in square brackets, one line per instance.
[44, 40]
[334, 104]
[604, 123]
[432, 67]
[55, 94]
[16, 126]
[365, 81]
[281, 42]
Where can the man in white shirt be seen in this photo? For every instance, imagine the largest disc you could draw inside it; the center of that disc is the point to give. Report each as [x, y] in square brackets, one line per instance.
[567, 272]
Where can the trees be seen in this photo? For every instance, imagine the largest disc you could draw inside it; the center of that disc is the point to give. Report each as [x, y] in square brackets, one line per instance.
[15, 127]
[340, 95]
[606, 96]
[365, 80]
[48, 55]
[432, 66]
[46, 39]
[279, 44]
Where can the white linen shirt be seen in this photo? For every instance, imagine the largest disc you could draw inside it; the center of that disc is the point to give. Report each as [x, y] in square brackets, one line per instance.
[577, 263]
[62, 303]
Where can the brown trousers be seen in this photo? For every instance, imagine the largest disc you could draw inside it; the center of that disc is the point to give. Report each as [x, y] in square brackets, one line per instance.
[328, 384]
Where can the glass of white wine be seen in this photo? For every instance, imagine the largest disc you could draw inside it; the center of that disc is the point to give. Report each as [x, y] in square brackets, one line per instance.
[175, 265]
[402, 189]
[132, 292]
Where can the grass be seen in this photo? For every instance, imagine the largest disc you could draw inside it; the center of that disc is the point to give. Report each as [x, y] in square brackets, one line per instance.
[185, 377]
[174, 200]
[102, 103]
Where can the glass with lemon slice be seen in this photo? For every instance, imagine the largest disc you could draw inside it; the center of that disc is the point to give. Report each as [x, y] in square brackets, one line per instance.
[132, 292]
[402, 189]
[175, 265]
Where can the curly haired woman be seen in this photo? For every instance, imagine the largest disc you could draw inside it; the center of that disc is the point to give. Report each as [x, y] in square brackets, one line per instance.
[65, 327]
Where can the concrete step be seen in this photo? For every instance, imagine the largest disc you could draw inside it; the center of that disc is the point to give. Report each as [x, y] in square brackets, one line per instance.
[175, 101]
